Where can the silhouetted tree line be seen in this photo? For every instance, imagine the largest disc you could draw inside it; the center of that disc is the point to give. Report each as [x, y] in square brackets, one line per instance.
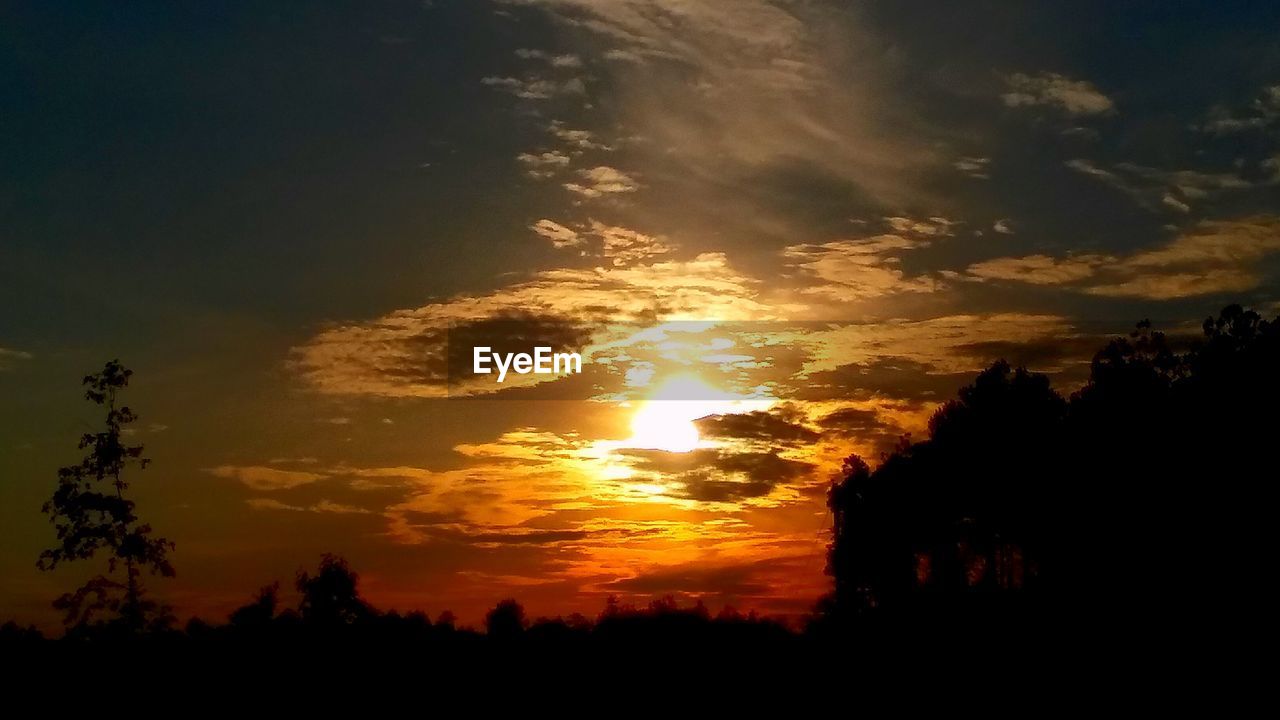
[1138, 504]
[1139, 501]
[331, 613]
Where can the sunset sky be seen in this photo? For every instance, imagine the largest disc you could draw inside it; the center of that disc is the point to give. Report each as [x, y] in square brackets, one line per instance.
[778, 233]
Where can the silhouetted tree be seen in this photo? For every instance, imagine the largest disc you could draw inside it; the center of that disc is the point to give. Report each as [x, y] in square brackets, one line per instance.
[331, 597]
[446, 621]
[13, 635]
[1181, 442]
[261, 611]
[92, 513]
[1143, 498]
[966, 510]
[506, 620]
[853, 556]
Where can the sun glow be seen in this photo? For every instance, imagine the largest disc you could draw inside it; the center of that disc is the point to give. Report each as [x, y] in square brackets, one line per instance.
[661, 425]
[665, 421]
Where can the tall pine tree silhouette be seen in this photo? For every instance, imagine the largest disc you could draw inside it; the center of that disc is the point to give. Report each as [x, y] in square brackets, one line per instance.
[93, 515]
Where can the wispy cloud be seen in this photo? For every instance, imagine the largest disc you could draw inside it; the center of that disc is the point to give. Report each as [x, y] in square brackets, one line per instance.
[603, 180]
[559, 235]
[402, 354]
[543, 164]
[566, 60]
[974, 167]
[535, 88]
[323, 506]
[619, 245]
[1262, 113]
[1158, 189]
[1075, 97]
[264, 478]
[1213, 257]
[8, 358]
[722, 72]
[860, 268]
[576, 139]
[1039, 269]
[624, 246]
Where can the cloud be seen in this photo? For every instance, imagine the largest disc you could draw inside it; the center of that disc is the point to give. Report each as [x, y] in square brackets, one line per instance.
[702, 579]
[1075, 97]
[1158, 189]
[1047, 353]
[1217, 256]
[9, 358]
[702, 82]
[576, 139]
[883, 356]
[862, 268]
[621, 246]
[1039, 269]
[1263, 112]
[630, 56]
[402, 353]
[560, 61]
[625, 246]
[603, 180]
[718, 475]
[757, 426]
[559, 235]
[1174, 203]
[1181, 284]
[1216, 242]
[324, 506]
[974, 167]
[852, 418]
[263, 478]
[520, 476]
[929, 227]
[534, 88]
[1189, 183]
[1004, 226]
[543, 165]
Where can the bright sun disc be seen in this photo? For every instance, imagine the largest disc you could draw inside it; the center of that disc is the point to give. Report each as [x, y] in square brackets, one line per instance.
[661, 425]
[665, 420]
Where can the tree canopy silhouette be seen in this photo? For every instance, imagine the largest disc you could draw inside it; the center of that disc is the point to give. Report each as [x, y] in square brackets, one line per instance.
[1139, 497]
[92, 513]
[506, 620]
[331, 597]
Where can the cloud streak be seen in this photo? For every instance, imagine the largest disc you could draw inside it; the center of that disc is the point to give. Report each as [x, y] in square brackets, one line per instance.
[264, 478]
[1074, 97]
[1213, 257]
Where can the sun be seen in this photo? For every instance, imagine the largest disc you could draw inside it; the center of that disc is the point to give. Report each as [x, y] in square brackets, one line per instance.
[665, 421]
[662, 425]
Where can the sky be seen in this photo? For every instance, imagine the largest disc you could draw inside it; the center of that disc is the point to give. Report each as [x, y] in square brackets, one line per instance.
[777, 232]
